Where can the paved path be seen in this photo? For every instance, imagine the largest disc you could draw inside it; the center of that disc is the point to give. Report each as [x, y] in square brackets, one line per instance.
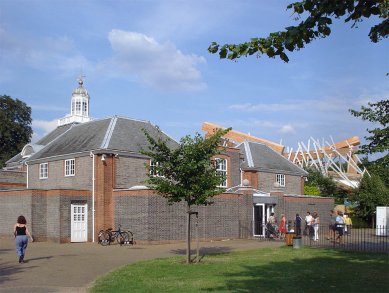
[73, 267]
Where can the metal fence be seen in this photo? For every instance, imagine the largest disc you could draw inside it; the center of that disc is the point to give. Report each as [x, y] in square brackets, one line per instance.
[342, 237]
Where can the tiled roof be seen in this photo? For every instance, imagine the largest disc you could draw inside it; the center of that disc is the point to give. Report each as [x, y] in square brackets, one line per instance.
[260, 157]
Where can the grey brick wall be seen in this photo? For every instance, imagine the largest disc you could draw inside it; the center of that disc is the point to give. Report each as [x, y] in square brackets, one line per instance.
[56, 175]
[292, 183]
[12, 206]
[290, 206]
[130, 171]
[48, 216]
[12, 177]
[151, 218]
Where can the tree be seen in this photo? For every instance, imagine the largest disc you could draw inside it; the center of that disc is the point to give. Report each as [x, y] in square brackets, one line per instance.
[378, 141]
[371, 193]
[326, 185]
[186, 173]
[15, 127]
[316, 25]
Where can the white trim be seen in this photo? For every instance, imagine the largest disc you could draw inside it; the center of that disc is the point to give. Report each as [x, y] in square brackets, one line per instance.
[44, 175]
[27, 176]
[108, 134]
[250, 162]
[70, 173]
[281, 179]
[224, 171]
[93, 197]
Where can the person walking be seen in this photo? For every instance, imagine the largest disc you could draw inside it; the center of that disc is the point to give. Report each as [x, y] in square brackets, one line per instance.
[348, 223]
[308, 225]
[21, 240]
[315, 224]
[339, 227]
[282, 227]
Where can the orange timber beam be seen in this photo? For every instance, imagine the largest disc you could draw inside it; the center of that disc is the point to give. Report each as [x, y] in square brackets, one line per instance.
[237, 136]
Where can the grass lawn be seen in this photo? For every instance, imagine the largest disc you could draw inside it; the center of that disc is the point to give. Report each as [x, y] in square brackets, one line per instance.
[263, 270]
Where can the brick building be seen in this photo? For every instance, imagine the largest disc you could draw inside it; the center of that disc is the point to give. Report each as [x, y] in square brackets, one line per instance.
[88, 175]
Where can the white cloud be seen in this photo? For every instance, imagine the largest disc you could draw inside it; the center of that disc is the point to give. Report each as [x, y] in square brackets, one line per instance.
[285, 129]
[160, 65]
[49, 108]
[44, 126]
[47, 54]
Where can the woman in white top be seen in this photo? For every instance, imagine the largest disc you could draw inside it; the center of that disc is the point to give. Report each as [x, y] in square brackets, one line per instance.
[315, 223]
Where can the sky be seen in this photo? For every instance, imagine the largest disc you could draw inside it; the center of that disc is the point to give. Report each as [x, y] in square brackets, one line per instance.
[148, 60]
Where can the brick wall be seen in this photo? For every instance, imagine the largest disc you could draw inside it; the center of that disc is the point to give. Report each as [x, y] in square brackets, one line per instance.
[292, 183]
[292, 205]
[12, 205]
[151, 218]
[56, 175]
[130, 171]
[47, 212]
[12, 179]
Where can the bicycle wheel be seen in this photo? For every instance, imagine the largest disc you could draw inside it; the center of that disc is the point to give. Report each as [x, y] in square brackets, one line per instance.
[104, 238]
[123, 238]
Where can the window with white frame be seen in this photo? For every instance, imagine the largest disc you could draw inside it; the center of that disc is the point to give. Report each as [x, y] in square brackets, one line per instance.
[70, 167]
[221, 168]
[43, 171]
[280, 179]
[153, 168]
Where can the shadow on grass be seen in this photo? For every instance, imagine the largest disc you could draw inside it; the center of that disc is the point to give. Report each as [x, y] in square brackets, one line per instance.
[204, 250]
[337, 272]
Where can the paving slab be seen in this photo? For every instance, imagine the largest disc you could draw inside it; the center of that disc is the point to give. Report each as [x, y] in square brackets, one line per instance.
[73, 267]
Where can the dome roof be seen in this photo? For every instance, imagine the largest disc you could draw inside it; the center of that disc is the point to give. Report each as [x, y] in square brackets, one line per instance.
[80, 90]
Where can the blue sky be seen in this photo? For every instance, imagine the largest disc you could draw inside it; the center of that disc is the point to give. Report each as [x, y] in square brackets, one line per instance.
[148, 60]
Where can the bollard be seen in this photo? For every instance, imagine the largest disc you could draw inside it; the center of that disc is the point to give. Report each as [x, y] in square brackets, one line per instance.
[297, 242]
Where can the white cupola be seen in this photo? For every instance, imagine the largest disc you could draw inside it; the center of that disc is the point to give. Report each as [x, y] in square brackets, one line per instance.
[79, 109]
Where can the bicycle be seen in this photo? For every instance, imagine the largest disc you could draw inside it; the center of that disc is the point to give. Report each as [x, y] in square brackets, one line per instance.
[105, 237]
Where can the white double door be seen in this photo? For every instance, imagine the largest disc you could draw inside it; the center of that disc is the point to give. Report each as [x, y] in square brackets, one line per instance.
[79, 223]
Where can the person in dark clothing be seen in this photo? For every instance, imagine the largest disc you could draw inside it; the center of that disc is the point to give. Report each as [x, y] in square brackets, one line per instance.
[21, 240]
[298, 221]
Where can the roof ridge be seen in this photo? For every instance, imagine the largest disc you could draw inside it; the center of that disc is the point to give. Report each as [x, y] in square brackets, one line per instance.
[250, 161]
[108, 133]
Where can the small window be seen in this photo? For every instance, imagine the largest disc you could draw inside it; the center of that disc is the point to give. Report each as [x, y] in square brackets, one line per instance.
[153, 169]
[221, 168]
[84, 108]
[43, 171]
[280, 179]
[69, 167]
[78, 107]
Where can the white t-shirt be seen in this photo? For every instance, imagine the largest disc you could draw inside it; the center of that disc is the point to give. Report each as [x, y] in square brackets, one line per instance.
[308, 219]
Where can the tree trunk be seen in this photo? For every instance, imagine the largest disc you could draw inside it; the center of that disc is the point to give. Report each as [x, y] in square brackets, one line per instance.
[188, 236]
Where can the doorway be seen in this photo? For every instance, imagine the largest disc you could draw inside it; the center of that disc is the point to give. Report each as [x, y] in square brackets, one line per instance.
[79, 222]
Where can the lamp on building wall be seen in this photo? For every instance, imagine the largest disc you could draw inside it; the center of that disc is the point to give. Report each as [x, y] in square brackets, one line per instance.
[103, 157]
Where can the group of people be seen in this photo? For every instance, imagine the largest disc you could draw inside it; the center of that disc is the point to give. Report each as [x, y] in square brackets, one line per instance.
[312, 224]
[340, 224]
[273, 228]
